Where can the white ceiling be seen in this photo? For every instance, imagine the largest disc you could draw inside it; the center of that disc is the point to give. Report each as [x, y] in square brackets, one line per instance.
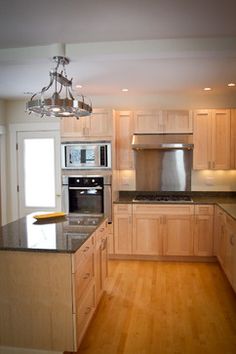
[151, 47]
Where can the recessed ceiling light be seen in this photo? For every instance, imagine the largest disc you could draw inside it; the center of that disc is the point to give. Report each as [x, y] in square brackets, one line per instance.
[78, 86]
[207, 89]
[125, 90]
[231, 84]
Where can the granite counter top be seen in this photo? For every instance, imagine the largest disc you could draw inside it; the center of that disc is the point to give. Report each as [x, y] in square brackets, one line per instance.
[230, 209]
[63, 234]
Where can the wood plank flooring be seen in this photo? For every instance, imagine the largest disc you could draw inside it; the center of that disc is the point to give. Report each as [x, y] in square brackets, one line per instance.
[164, 308]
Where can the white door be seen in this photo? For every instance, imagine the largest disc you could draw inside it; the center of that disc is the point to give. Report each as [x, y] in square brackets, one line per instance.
[39, 183]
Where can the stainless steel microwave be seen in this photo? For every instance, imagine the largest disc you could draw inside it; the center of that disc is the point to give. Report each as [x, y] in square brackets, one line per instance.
[86, 155]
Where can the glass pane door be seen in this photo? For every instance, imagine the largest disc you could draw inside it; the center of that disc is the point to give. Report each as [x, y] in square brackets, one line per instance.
[38, 171]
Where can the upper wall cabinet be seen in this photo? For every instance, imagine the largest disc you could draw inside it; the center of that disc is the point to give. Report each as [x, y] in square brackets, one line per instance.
[124, 132]
[211, 139]
[165, 121]
[233, 139]
[148, 122]
[98, 125]
[177, 121]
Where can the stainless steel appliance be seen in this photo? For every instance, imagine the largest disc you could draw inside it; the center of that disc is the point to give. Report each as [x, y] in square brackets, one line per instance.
[163, 162]
[90, 195]
[86, 155]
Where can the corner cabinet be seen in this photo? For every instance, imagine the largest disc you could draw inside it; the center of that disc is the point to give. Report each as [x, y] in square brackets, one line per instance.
[98, 125]
[203, 230]
[226, 245]
[211, 139]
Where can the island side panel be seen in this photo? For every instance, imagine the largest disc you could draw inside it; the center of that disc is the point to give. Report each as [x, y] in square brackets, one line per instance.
[36, 300]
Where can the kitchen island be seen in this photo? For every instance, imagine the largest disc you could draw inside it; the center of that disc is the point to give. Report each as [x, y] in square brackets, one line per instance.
[52, 276]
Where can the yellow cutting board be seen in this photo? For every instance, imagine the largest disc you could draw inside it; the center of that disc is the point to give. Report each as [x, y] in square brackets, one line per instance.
[49, 215]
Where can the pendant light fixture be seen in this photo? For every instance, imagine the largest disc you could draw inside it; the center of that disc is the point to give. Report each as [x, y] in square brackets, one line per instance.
[56, 99]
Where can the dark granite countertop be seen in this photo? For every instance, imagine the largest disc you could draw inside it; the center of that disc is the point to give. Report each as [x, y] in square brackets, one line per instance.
[63, 234]
[226, 200]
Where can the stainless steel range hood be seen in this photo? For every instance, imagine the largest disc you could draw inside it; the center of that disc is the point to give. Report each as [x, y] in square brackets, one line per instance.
[163, 162]
[162, 141]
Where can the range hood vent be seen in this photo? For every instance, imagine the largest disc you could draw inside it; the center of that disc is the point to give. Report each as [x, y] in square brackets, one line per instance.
[162, 141]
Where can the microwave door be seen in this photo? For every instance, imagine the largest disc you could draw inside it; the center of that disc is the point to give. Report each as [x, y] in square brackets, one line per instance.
[73, 156]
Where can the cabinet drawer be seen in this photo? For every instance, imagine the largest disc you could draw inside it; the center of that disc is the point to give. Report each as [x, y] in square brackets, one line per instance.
[164, 209]
[123, 208]
[101, 232]
[85, 311]
[83, 254]
[204, 209]
[84, 275]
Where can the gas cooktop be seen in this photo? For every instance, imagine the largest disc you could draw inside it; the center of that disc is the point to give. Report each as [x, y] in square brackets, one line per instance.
[163, 198]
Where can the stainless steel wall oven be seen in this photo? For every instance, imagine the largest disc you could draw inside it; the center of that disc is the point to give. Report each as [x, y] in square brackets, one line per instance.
[90, 195]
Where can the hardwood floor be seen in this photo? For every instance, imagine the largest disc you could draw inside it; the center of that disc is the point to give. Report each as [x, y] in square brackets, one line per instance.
[164, 308]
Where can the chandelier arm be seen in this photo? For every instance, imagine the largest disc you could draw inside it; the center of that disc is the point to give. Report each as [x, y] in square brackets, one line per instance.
[70, 94]
[44, 89]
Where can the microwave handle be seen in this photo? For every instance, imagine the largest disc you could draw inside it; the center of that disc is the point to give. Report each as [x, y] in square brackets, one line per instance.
[85, 188]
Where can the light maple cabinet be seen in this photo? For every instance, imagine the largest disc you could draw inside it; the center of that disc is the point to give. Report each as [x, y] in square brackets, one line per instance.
[163, 230]
[226, 245]
[123, 228]
[147, 234]
[178, 233]
[148, 121]
[203, 230]
[101, 257]
[163, 121]
[233, 139]
[124, 133]
[98, 125]
[177, 121]
[230, 250]
[211, 139]
[85, 287]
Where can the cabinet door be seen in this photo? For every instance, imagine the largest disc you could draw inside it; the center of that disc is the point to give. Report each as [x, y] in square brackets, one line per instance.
[178, 235]
[148, 122]
[202, 140]
[233, 139]
[203, 235]
[100, 123]
[220, 139]
[123, 228]
[147, 235]
[124, 133]
[177, 121]
[73, 127]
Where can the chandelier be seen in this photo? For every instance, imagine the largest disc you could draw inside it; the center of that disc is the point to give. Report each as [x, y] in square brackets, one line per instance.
[61, 103]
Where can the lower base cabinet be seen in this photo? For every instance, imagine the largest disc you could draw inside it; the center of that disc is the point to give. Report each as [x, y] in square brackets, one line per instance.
[163, 230]
[226, 245]
[178, 235]
[123, 229]
[203, 230]
[91, 271]
[147, 235]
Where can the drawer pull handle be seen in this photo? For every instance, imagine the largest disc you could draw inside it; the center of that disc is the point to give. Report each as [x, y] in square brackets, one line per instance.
[232, 240]
[88, 310]
[102, 229]
[86, 249]
[86, 276]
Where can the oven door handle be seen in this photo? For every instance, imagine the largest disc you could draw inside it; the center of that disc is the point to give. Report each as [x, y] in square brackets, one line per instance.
[86, 188]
